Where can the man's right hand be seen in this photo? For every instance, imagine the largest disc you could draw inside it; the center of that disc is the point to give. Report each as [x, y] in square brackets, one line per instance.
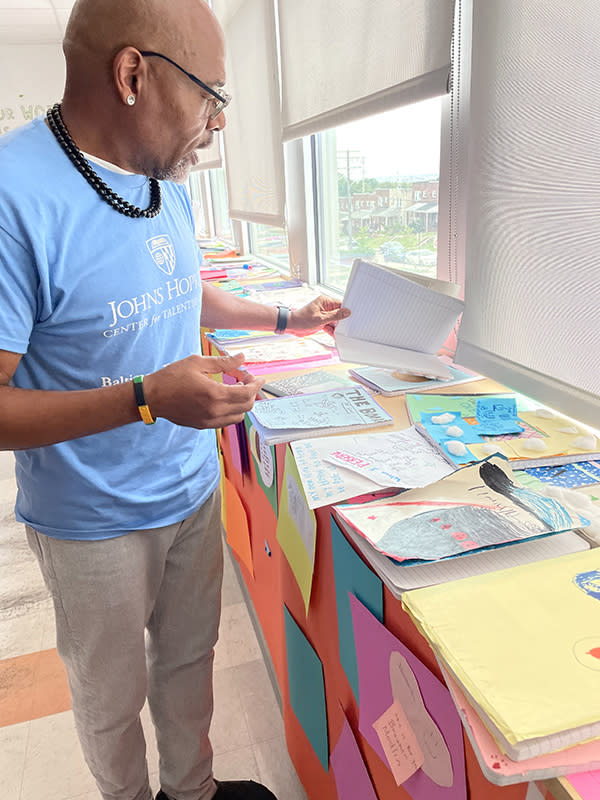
[184, 392]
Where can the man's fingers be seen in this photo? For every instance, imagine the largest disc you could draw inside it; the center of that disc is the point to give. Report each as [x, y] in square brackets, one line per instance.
[337, 314]
[240, 375]
[241, 395]
[213, 365]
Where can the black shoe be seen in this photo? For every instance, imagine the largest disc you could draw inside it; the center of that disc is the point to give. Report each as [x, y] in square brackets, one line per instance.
[235, 790]
[242, 790]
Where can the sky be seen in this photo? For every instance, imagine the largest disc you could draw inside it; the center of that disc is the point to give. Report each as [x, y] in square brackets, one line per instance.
[405, 141]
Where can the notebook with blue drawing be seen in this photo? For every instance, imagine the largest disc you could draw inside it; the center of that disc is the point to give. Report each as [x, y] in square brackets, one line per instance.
[286, 419]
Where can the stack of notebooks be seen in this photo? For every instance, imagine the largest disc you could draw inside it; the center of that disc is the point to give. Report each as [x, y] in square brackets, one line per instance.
[521, 652]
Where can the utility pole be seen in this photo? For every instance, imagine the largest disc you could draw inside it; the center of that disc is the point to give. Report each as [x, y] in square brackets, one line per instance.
[349, 160]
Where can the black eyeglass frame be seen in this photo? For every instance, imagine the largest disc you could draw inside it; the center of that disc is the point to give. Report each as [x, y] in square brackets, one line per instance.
[223, 98]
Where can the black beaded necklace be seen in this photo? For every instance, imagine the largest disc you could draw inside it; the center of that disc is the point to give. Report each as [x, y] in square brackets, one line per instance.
[59, 129]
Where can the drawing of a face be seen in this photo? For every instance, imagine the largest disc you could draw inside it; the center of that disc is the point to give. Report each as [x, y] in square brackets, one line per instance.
[589, 582]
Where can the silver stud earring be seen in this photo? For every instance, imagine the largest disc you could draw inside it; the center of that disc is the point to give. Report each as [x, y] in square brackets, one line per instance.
[130, 100]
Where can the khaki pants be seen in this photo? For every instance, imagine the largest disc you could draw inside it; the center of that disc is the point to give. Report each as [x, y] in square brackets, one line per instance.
[166, 581]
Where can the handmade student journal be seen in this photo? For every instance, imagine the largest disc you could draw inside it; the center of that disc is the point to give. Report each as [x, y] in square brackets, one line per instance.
[286, 419]
[474, 508]
[470, 427]
[523, 644]
[500, 769]
[398, 321]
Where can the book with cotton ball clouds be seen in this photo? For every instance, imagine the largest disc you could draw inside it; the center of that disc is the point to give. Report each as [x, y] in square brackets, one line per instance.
[468, 428]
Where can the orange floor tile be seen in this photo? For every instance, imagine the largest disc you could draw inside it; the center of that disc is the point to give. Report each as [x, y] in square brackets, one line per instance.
[32, 686]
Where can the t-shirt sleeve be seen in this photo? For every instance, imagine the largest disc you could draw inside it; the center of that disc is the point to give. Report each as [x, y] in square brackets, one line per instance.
[18, 294]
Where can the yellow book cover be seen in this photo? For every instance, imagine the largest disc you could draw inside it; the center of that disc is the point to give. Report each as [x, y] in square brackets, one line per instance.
[525, 645]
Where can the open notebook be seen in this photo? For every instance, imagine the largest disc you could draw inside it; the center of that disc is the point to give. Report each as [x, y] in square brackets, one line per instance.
[399, 321]
[523, 645]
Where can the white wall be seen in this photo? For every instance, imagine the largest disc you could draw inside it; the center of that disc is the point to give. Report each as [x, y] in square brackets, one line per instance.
[32, 79]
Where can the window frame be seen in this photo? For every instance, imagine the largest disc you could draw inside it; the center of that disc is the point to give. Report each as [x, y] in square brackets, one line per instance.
[313, 223]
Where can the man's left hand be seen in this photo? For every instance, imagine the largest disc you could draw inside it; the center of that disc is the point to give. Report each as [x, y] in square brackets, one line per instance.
[321, 313]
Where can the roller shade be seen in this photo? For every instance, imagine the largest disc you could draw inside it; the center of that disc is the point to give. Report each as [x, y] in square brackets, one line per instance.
[533, 204]
[252, 138]
[342, 60]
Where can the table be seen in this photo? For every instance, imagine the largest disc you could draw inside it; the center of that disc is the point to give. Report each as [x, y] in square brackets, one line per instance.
[279, 607]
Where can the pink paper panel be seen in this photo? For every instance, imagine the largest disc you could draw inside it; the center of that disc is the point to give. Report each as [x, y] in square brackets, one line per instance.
[374, 648]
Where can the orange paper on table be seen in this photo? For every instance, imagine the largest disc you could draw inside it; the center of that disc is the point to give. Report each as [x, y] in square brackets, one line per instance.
[228, 254]
[236, 526]
[399, 743]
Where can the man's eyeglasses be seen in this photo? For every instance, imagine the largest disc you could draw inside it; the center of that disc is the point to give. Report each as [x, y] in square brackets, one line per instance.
[222, 98]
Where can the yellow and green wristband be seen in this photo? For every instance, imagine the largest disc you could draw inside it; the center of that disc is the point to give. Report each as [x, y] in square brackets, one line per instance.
[138, 385]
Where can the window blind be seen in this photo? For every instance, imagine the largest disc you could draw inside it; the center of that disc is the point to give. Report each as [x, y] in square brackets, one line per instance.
[533, 203]
[252, 138]
[342, 60]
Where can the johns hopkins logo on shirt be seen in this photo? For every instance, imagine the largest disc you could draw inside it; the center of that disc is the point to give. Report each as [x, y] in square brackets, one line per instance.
[162, 251]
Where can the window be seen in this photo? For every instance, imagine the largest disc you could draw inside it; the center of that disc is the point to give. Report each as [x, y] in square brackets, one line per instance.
[377, 183]
[270, 243]
[196, 181]
[218, 189]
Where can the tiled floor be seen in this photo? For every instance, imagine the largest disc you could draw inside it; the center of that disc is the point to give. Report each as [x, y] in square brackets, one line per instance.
[39, 751]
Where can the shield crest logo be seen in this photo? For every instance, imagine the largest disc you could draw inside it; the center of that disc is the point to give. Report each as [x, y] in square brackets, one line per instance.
[162, 251]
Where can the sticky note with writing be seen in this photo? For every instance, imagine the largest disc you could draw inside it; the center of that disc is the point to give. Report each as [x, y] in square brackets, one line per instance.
[399, 743]
[497, 415]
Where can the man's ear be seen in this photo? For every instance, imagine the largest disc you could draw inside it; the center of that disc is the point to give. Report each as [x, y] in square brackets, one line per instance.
[129, 72]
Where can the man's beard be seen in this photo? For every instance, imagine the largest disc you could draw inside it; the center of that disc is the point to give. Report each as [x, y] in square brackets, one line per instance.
[178, 172]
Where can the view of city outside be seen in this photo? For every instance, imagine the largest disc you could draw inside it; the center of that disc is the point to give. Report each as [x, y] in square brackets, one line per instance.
[378, 186]
[271, 243]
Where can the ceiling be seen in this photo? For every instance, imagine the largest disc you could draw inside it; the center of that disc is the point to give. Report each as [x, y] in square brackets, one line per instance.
[33, 21]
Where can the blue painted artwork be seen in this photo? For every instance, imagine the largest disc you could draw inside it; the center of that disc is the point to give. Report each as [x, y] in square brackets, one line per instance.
[568, 476]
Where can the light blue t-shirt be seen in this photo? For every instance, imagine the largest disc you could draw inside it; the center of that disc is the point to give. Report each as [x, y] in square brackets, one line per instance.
[91, 297]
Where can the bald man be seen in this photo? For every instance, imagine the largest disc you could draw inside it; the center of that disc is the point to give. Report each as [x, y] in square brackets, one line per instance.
[103, 394]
